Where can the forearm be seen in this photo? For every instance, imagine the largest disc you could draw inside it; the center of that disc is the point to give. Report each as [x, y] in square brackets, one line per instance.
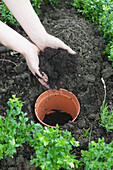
[13, 40]
[26, 16]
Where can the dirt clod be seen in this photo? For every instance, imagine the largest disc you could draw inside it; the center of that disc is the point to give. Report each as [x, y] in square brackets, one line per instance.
[57, 63]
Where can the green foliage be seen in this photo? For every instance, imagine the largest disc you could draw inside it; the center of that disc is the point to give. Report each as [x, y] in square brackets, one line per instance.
[85, 133]
[52, 1]
[13, 133]
[91, 8]
[7, 17]
[106, 116]
[36, 5]
[111, 53]
[99, 156]
[106, 20]
[101, 13]
[52, 148]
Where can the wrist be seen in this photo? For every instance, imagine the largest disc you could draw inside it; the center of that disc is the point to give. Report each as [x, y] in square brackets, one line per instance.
[28, 49]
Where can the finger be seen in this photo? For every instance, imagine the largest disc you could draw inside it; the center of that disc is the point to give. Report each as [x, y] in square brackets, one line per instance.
[43, 83]
[41, 75]
[57, 43]
[45, 77]
[68, 49]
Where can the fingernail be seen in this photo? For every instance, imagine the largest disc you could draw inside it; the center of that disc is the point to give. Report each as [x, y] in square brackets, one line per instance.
[73, 52]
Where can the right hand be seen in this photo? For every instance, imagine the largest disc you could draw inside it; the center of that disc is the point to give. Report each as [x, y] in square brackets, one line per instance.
[33, 64]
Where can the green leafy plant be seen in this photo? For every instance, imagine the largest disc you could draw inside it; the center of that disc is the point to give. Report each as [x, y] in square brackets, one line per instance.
[106, 116]
[5, 15]
[100, 12]
[36, 5]
[99, 156]
[12, 132]
[107, 119]
[52, 148]
[91, 8]
[111, 52]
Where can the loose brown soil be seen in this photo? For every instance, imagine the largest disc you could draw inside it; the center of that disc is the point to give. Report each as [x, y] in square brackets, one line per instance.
[89, 65]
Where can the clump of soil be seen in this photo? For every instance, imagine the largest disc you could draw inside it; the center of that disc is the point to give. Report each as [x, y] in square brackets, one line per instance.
[57, 63]
[57, 117]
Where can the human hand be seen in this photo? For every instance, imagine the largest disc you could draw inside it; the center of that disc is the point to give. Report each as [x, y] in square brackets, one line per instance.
[33, 60]
[33, 64]
[47, 41]
[44, 40]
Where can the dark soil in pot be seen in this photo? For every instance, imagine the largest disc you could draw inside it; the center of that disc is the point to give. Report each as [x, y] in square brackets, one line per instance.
[65, 23]
[57, 117]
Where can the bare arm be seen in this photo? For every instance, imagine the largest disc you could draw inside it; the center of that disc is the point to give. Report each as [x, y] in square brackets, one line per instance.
[28, 19]
[12, 39]
[17, 42]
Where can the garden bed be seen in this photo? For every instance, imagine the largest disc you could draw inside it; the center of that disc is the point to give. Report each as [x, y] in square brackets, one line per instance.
[15, 78]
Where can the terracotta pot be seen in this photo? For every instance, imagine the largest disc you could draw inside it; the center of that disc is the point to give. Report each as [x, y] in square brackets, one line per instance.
[59, 100]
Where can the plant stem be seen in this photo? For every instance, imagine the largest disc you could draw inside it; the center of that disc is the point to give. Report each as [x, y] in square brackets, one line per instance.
[90, 135]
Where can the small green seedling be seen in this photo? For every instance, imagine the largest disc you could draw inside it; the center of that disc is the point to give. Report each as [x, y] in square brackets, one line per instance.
[85, 132]
[106, 115]
[107, 118]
